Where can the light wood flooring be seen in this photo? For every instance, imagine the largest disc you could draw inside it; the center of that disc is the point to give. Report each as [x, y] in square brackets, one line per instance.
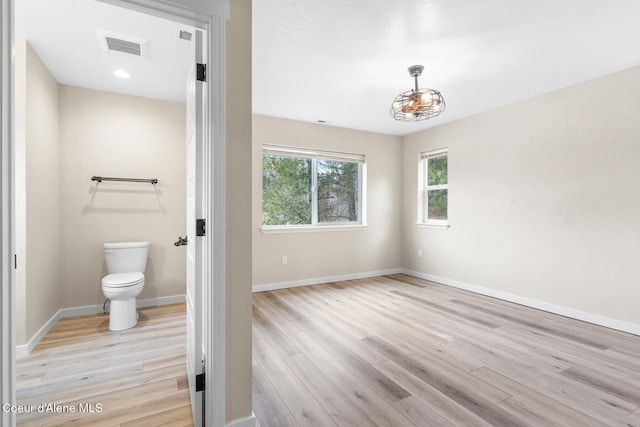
[138, 376]
[399, 351]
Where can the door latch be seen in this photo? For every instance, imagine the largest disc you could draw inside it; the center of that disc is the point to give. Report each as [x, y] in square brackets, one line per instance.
[182, 241]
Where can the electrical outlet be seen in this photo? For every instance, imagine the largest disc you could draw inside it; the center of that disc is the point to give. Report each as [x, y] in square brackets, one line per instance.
[419, 253]
[284, 260]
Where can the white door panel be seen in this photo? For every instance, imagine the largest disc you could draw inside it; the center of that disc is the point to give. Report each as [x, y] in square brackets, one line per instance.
[195, 244]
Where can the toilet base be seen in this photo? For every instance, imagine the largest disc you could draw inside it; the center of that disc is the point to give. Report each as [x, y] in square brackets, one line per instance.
[123, 314]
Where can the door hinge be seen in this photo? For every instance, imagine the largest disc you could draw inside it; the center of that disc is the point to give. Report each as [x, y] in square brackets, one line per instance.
[201, 225]
[201, 72]
[200, 382]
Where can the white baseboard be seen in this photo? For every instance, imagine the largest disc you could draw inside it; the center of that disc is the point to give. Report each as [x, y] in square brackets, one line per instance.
[244, 422]
[149, 302]
[24, 350]
[529, 302]
[320, 280]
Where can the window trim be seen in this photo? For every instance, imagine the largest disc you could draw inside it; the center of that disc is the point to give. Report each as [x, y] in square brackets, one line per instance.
[276, 229]
[424, 188]
[314, 156]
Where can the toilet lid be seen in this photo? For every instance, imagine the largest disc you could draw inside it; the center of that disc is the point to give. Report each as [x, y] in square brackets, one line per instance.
[122, 279]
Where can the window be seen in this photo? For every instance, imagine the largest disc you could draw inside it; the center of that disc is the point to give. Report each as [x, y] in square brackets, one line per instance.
[311, 187]
[434, 187]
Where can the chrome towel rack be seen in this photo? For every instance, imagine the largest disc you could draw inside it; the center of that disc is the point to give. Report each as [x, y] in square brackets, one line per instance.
[104, 178]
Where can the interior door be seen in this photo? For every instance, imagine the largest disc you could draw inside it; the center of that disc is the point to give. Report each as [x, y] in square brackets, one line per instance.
[196, 335]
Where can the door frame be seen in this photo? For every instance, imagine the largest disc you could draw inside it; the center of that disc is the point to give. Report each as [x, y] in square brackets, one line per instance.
[209, 15]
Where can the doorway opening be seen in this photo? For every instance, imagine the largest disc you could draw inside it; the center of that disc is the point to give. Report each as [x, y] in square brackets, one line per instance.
[214, 142]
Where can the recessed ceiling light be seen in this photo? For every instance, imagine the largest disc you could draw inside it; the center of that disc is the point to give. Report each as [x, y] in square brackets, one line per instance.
[121, 74]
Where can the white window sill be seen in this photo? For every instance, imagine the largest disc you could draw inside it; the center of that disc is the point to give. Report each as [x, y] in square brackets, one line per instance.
[310, 228]
[434, 226]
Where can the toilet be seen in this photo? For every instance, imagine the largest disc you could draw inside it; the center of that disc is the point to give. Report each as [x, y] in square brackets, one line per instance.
[126, 263]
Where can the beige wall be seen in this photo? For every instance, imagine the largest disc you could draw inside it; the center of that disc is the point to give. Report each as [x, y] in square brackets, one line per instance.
[542, 199]
[20, 190]
[117, 135]
[238, 205]
[43, 194]
[37, 194]
[330, 253]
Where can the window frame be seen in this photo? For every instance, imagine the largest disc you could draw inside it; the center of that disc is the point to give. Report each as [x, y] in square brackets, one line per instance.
[315, 156]
[424, 188]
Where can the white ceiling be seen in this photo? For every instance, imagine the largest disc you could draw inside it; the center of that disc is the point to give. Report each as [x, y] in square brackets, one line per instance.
[345, 61]
[63, 34]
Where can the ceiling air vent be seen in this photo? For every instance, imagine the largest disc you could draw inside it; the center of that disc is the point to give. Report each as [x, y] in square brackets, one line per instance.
[120, 43]
[123, 46]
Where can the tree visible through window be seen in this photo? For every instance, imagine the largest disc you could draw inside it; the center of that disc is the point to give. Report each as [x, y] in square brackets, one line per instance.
[436, 187]
[338, 191]
[313, 190]
[286, 190]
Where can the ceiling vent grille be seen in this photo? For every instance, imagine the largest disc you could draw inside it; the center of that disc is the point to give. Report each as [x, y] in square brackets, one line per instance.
[113, 42]
[118, 45]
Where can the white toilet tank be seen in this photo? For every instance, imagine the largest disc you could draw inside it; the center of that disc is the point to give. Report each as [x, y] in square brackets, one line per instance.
[126, 257]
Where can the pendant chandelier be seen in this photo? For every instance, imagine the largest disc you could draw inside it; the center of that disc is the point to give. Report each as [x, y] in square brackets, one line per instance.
[417, 104]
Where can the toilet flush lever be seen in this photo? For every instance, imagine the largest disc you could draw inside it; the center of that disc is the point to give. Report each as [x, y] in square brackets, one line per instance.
[182, 241]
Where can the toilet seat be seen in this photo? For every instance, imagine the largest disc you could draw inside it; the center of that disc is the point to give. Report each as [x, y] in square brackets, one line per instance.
[123, 280]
